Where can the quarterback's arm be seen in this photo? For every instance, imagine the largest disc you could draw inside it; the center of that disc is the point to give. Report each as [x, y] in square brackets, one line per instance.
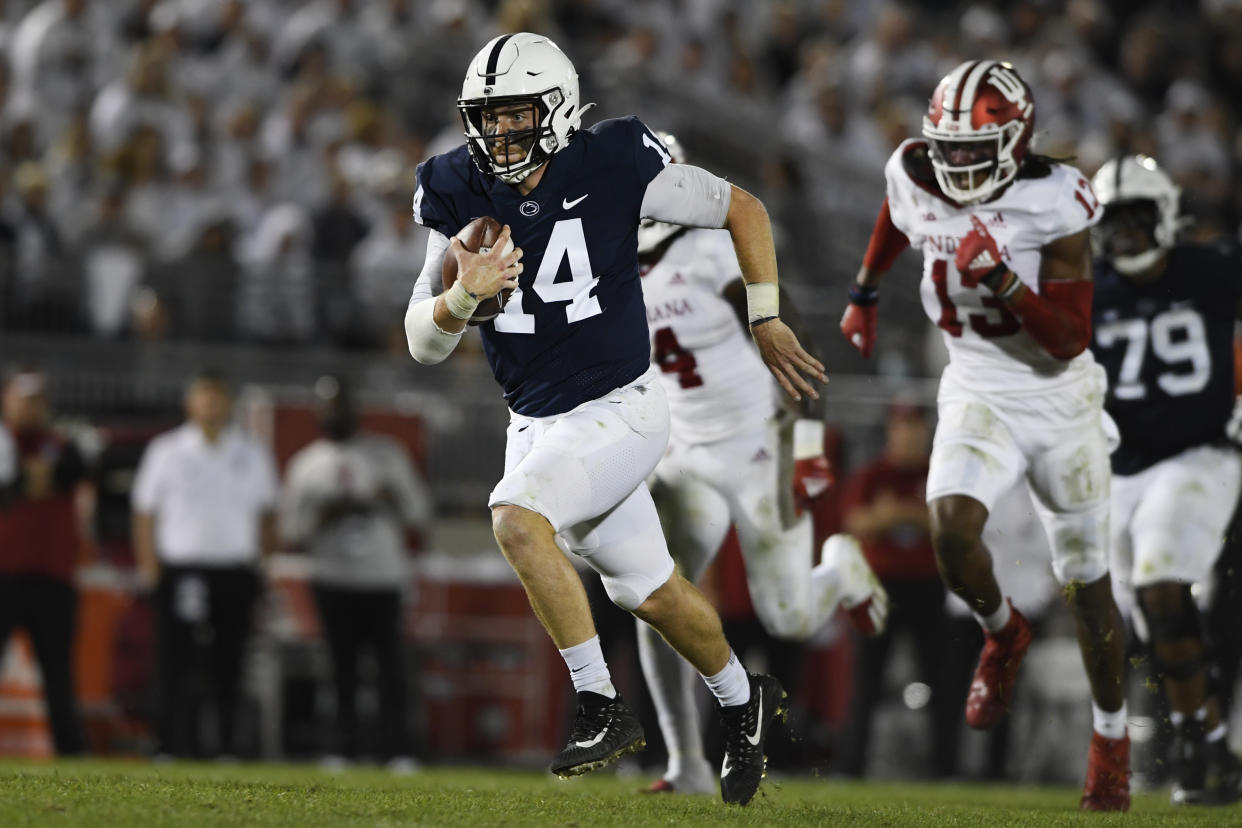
[735, 294]
[691, 196]
[1059, 316]
[430, 330]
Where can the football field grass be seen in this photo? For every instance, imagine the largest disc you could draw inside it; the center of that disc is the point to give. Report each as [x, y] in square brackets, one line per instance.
[123, 793]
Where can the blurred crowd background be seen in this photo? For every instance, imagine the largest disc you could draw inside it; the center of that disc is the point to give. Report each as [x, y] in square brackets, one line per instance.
[193, 182]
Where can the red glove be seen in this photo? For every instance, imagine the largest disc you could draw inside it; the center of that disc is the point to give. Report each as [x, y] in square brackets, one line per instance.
[812, 475]
[870, 616]
[858, 322]
[977, 255]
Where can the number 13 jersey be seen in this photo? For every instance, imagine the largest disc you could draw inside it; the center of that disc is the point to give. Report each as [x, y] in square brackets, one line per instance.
[711, 370]
[989, 349]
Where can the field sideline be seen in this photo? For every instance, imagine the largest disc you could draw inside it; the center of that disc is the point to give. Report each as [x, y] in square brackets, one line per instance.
[96, 792]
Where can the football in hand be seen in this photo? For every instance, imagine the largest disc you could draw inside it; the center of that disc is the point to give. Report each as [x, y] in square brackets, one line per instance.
[478, 237]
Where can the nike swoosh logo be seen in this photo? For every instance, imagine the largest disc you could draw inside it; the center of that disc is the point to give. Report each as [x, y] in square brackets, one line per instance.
[726, 767]
[567, 204]
[595, 741]
[753, 738]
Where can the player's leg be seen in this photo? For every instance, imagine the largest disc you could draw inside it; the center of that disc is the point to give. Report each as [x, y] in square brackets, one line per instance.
[974, 459]
[1070, 483]
[695, 520]
[793, 596]
[552, 585]
[562, 476]
[1178, 530]
[627, 548]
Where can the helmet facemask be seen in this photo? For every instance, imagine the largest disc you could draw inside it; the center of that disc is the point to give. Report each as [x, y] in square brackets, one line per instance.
[979, 123]
[972, 168]
[494, 150]
[1127, 235]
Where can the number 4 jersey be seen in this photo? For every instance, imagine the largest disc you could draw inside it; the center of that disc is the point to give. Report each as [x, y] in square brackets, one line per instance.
[715, 380]
[1167, 346]
[988, 346]
[575, 328]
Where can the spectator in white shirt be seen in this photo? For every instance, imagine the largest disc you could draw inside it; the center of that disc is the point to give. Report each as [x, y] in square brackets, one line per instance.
[348, 499]
[204, 517]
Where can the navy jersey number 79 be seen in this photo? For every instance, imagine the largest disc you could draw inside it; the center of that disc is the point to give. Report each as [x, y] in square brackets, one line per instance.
[575, 329]
[1167, 346]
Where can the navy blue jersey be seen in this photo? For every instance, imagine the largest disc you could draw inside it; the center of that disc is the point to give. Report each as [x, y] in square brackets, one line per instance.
[575, 329]
[1168, 348]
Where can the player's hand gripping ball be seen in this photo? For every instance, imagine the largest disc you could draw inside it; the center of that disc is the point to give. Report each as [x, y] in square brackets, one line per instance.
[478, 237]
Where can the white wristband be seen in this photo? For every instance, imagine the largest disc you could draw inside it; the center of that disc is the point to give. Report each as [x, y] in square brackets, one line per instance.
[808, 439]
[762, 301]
[459, 302]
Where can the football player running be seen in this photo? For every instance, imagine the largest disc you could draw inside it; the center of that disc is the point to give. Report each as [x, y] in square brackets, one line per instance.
[1007, 276]
[730, 459]
[588, 417]
[1164, 316]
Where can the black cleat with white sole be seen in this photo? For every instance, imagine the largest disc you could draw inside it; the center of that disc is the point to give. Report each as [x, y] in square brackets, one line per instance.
[746, 728]
[604, 730]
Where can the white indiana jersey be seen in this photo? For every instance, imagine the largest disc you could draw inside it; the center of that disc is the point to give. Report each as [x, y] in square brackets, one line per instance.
[716, 382]
[988, 346]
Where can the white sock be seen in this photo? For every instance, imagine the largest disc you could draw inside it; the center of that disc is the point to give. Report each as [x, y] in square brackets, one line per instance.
[587, 668]
[998, 620]
[1219, 732]
[731, 686]
[1109, 725]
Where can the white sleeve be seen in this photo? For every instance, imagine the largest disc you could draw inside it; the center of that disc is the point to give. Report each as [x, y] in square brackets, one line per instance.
[687, 195]
[144, 494]
[428, 344]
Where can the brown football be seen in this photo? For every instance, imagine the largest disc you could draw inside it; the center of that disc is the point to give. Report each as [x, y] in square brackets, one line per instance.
[477, 236]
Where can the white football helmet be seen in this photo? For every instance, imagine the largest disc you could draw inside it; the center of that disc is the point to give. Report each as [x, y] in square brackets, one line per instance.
[979, 124]
[1135, 180]
[521, 68]
[652, 233]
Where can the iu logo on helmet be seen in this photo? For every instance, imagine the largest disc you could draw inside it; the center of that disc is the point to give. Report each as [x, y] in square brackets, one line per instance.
[1007, 83]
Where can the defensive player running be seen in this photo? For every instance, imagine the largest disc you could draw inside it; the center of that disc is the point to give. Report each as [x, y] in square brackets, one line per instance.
[730, 461]
[1164, 317]
[1007, 276]
[589, 419]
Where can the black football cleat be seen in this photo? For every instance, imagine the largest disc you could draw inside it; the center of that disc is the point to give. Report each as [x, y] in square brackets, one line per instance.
[604, 730]
[1224, 774]
[1189, 764]
[746, 728]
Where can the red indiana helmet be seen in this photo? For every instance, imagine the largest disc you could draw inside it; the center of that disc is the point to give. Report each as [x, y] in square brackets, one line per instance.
[979, 124]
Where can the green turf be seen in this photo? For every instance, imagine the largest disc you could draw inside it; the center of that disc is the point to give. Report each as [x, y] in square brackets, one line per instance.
[141, 794]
